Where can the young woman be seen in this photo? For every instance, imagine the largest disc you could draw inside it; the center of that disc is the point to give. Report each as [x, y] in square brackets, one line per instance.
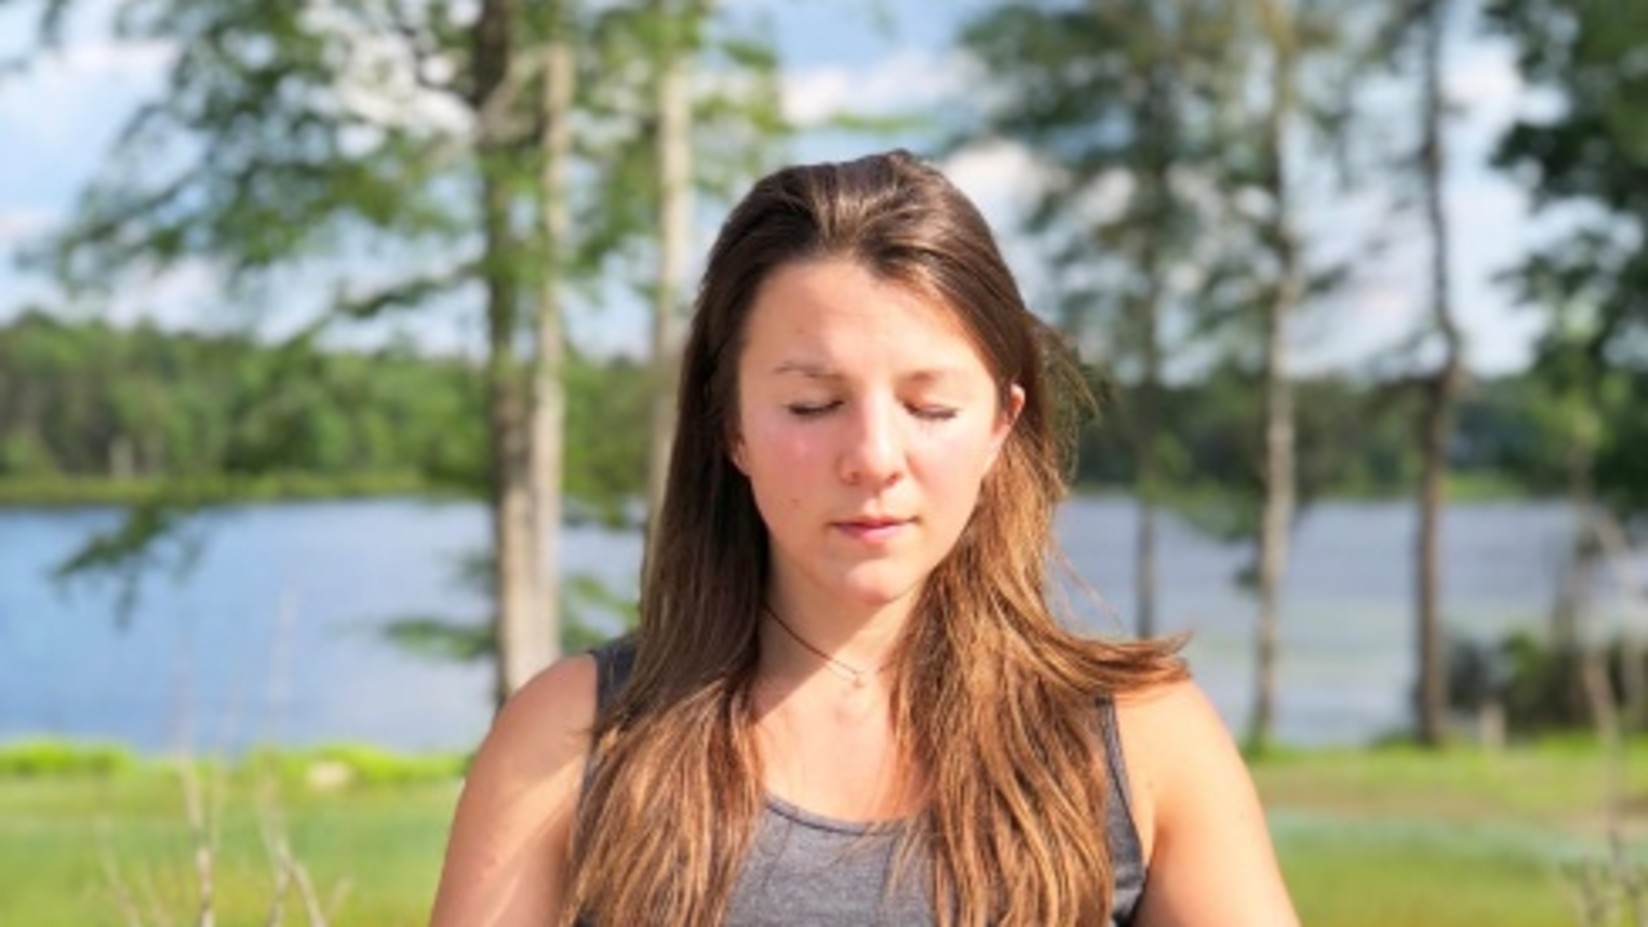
[848, 701]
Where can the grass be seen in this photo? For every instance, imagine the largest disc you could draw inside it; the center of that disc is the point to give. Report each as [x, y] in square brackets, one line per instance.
[1395, 835]
[373, 851]
[1366, 837]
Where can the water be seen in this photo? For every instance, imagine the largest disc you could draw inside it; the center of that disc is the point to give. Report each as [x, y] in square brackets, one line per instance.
[274, 636]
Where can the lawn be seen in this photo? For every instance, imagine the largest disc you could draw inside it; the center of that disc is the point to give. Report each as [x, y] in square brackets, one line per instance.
[1370, 837]
[1397, 836]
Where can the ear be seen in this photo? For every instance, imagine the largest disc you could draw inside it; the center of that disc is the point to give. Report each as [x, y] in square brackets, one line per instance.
[735, 453]
[1006, 420]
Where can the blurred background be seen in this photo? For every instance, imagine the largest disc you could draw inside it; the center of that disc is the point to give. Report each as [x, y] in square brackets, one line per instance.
[336, 338]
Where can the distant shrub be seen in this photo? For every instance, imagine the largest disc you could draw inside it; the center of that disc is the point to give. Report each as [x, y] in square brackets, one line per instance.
[1535, 684]
[335, 766]
[41, 758]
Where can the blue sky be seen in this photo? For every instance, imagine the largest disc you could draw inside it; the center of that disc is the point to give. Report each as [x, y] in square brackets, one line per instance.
[58, 118]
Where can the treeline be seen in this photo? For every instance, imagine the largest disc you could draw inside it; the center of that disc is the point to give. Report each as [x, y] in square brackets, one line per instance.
[1180, 162]
[1356, 438]
[86, 401]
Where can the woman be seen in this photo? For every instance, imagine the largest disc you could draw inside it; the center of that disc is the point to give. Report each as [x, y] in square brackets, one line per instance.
[847, 701]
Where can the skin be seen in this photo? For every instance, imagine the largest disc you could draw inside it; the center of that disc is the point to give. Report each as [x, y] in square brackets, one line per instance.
[867, 421]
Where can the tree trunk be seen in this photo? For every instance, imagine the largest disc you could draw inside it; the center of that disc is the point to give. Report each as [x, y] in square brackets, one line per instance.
[518, 597]
[549, 376]
[1573, 599]
[1278, 468]
[674, 154]
[1437, 419]
[1158, 115]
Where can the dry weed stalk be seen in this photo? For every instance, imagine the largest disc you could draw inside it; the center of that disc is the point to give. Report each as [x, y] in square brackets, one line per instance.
[203, 809]
[1603, 887]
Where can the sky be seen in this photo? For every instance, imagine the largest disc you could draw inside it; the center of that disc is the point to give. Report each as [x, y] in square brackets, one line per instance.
[58, 118]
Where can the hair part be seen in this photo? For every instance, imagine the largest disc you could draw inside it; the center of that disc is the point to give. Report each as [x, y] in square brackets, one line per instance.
[994, 701]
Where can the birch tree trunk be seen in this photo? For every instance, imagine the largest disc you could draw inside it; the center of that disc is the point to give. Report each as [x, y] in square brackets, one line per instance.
[1278, 469]
[674, 158]
[1158, 116]
[1440, 390]
[549, 375]
[519, 596]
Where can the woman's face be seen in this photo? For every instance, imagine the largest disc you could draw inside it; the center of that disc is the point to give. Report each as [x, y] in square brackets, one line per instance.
[866, 423]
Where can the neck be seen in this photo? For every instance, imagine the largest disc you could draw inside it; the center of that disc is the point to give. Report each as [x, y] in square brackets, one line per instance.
[856, 645]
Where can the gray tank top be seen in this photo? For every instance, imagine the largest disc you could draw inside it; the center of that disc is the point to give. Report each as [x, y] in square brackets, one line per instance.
[806, 869]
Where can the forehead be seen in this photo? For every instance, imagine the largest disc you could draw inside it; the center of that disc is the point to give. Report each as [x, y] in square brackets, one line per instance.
[834, 315]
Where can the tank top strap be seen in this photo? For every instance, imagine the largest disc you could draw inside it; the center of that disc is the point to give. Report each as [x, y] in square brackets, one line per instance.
[614, 662]
[1126, 851]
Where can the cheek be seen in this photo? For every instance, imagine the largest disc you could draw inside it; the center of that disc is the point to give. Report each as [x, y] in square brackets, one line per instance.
[959, 459]
[781, 458]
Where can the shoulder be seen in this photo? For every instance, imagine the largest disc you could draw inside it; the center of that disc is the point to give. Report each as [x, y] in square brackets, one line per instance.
[1199, 820]
[514, 819]
[544, 725]
[550, 717]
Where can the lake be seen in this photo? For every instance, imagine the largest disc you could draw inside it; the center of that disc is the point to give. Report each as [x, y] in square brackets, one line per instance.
[275, 635]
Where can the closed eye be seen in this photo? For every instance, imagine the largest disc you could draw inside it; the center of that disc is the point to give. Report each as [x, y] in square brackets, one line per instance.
[933, 413]
[811, 410]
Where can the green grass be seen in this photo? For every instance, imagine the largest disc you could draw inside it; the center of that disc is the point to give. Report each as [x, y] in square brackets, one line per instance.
[373, 851]
[1366, 837]
[1395, 835]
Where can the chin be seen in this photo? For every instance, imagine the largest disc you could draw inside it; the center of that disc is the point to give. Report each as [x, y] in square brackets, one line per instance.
[878, 588]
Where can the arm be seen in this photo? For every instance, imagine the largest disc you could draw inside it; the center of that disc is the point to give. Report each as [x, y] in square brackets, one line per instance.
[508, 849]
[1208, 853]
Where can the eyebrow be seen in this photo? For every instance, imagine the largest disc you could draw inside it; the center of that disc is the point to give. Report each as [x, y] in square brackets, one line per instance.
[816, 371]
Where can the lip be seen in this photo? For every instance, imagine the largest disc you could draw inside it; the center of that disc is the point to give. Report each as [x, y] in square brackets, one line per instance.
[873, 530]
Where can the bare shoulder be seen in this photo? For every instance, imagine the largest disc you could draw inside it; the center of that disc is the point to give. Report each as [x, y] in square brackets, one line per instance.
[550, 715]
[1166, 730]
[1199, 820]
[514, 818]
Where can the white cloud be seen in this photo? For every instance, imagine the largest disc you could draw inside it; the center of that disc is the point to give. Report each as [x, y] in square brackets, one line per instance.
[1484, 79]
[906, 81]
[185, 295]
[19, 225]
[1001, 178]
[73, 93]
[112, 58]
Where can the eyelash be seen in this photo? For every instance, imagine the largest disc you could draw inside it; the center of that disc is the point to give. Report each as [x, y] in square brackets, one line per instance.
[925, 413]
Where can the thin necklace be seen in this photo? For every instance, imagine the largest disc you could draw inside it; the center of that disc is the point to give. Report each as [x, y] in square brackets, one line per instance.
[858, 677]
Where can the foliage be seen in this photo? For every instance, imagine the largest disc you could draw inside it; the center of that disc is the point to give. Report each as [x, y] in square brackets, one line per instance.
[1535, 684]
[1121, 106]
[224, 416]
[1354, 440]
[404, 423]
[57, 758]
[1588, 156]
[348, 765]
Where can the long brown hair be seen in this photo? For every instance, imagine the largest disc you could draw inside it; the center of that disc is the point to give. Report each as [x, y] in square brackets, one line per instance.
[994, 701]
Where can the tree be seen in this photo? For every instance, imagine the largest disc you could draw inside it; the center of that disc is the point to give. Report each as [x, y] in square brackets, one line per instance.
[680, 22]
[289, 131]
[1425, 22]
[1118, 95]
[429, 144]
[1591, 277]
[1293, 108]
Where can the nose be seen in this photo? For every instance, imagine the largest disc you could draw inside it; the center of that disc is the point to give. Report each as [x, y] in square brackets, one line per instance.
[874, 447]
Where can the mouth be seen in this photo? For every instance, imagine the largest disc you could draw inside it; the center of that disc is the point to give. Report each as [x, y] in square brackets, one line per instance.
[873, 529]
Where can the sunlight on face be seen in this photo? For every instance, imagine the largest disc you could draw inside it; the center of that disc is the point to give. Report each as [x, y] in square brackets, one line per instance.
[867, 421]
